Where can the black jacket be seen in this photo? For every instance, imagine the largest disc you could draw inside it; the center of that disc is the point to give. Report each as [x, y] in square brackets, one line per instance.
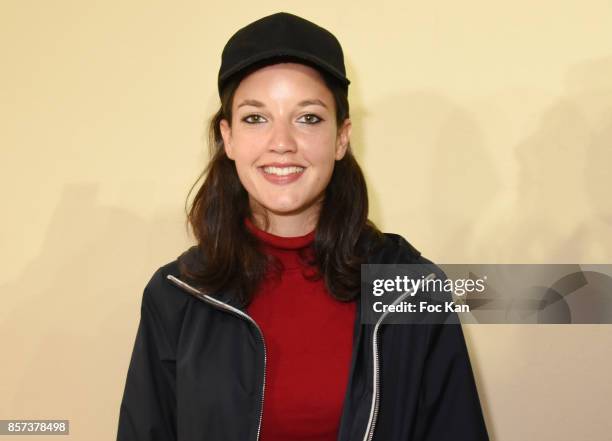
[197, 371]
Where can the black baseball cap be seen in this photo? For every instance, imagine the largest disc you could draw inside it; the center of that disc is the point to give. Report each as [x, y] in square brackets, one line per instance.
[282, 37]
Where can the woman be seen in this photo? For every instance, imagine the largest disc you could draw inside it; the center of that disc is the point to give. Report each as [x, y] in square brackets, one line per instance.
[255, 332]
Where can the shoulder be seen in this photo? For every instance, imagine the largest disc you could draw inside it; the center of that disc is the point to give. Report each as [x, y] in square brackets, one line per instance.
[394, 248]
[161, 296]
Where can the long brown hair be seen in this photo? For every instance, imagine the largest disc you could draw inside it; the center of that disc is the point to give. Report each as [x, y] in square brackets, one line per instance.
[228, 253]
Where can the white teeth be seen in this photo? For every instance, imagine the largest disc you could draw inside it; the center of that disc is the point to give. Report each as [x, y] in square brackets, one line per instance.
[283, 171]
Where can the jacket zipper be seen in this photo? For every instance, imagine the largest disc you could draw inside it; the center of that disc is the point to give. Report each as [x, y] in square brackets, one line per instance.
[217, 303]
[369, 434]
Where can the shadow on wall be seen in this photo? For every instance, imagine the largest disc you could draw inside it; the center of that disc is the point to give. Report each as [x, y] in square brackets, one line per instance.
[465, 185]
[70, 322]
[542, 198]
[447, 176]
[561, 210]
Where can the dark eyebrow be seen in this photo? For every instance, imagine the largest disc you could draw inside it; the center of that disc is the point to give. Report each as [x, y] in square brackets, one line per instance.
[249, 102]
[312, 102]
[255, 103]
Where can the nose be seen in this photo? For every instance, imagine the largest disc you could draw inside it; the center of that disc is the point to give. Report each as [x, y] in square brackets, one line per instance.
[282, 139]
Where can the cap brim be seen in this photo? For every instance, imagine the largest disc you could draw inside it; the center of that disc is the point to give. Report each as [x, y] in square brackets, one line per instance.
[264, 58]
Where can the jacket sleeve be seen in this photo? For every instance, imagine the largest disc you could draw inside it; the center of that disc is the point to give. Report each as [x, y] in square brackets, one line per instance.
[148, 406]
[449, 407]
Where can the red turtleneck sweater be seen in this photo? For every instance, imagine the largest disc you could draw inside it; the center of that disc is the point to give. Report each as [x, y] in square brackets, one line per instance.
[309, 338]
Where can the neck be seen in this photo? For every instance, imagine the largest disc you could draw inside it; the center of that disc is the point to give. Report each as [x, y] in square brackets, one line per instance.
[286, 225]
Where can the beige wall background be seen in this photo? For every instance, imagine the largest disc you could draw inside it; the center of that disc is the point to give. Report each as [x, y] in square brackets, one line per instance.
[484, 129]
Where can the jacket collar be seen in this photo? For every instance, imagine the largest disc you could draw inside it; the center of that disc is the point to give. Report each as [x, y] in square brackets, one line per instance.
[394, 248]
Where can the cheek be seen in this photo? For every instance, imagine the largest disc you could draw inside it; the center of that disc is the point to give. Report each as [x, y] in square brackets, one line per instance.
[246, 149]
[319, 148]
[323, 167]
[323, 158]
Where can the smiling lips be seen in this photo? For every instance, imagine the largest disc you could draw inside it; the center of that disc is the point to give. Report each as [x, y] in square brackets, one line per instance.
[282, 174]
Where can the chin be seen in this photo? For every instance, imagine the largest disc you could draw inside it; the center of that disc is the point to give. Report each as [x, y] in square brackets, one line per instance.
[285, 207]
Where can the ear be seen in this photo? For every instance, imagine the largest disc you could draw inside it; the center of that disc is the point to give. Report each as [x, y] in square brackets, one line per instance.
[226, 134]
[343, 138]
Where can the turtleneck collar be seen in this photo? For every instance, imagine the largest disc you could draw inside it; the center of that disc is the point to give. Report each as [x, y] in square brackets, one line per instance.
[280, 242]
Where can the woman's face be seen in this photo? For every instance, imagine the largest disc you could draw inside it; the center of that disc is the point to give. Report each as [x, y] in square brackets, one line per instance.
[284, 140]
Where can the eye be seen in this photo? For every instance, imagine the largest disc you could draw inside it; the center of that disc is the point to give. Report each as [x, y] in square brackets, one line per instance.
[253, 119]
[311, 118]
